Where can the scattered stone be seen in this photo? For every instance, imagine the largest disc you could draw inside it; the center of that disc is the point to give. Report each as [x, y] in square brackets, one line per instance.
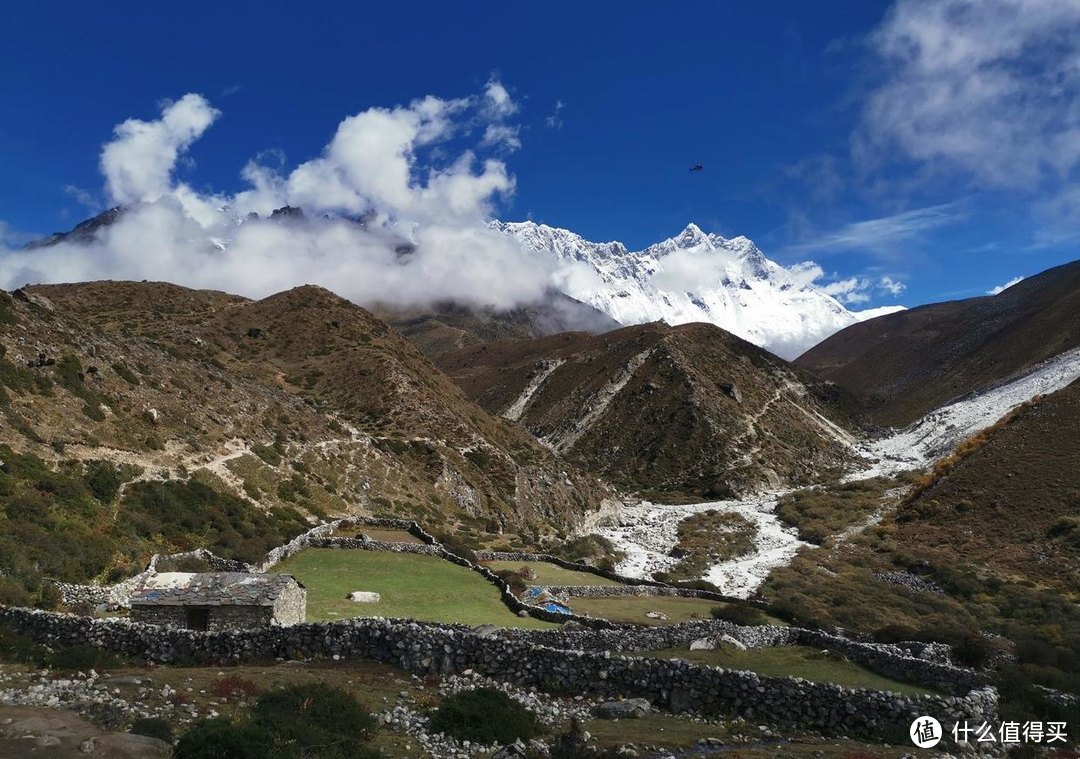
[364, 597]
[628, 708]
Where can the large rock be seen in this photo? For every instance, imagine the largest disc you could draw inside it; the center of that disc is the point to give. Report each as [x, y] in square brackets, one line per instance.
[364, 597]
[628, 708]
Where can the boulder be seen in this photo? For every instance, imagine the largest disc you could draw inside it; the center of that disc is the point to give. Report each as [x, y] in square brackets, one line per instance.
[364, 597]
[627, 708]
[703, 644]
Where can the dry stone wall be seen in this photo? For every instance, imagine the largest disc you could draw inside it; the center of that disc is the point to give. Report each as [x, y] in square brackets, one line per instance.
[428, 649]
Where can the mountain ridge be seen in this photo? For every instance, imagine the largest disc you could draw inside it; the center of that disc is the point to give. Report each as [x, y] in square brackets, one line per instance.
[742, 291]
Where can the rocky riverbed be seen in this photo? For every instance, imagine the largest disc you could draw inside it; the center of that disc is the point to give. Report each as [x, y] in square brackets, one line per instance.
[647, 532]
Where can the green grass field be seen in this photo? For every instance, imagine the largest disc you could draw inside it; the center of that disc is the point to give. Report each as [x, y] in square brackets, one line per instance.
[550, 574]
[793, 661]
[634, 608]
[419, 587]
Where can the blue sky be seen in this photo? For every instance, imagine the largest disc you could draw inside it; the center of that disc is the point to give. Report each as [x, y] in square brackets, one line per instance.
[933, 145]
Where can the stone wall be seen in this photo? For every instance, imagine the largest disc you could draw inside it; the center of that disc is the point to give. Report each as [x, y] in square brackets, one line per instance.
[427, 649]
[889, 660]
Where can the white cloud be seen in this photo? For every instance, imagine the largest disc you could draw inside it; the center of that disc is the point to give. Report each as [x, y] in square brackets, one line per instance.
[498, 98]
[370, 168]
[806, 272]
[1006, 286]
[986, 87]
[138, 164]
[883, 233]
[860, 289]
[84, 198]
[554, 119]
[502, 135]
[848, 291]
[891, 286]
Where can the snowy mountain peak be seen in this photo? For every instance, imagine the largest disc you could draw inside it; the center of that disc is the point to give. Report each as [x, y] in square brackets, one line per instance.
[692, 277]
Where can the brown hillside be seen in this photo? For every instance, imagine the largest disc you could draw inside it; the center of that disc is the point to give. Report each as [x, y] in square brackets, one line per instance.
[359, 418]
[1012, 503]
[682, 411]
[905, 364]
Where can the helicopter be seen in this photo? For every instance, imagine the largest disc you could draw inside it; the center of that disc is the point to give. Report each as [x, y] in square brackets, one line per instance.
[697, 167]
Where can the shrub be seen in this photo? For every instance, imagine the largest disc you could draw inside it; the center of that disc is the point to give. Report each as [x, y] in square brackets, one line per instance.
[152, 727]
[513, 579]
[104, 480]
[267, 454]
[313, 720]
[234, 686]
[125, 374]
[484, 715]
[219, 737]
[456, 544]
[82, 658]
[16, 647]
[973, 651]
[740, 615]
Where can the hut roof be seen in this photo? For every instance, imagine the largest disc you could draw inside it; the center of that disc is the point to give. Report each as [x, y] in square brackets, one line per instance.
[211, 589]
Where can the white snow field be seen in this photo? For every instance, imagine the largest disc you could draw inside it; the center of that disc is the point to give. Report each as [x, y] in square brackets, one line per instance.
[647, 532]
[694, 277]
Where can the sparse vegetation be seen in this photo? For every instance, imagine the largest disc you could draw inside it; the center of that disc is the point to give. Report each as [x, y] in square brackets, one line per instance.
[292, 722]
[707, 538]
[823, 512]
[484, 715]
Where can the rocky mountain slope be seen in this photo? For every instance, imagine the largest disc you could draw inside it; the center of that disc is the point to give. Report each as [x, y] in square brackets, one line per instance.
[668, 411]
[1006, 500]
[741, 290]
[301, 401]
[905, 364]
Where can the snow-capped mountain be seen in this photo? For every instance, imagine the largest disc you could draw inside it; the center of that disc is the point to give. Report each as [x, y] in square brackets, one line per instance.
[693, 277]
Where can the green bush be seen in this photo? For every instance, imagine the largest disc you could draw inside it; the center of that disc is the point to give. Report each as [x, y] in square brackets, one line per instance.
[125, 374]
[298, 722]
[267, 454]
[104, 480]
[16, 647]
[484, 715]
[219, 738]
[314, 716]
[82, 658]
[740, 615]
[152, 727]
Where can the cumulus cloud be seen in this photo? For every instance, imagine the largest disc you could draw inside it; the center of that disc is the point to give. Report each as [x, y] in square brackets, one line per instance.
[1006, 286]
[860, 289]
[986, 87]
[850, 290]
[380, 224]
[138, 165]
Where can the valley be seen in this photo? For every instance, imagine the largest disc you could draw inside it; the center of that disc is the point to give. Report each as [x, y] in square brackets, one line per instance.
[682, 458]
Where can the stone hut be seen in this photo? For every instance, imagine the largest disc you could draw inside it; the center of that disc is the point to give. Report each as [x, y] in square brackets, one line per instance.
[219, 600]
